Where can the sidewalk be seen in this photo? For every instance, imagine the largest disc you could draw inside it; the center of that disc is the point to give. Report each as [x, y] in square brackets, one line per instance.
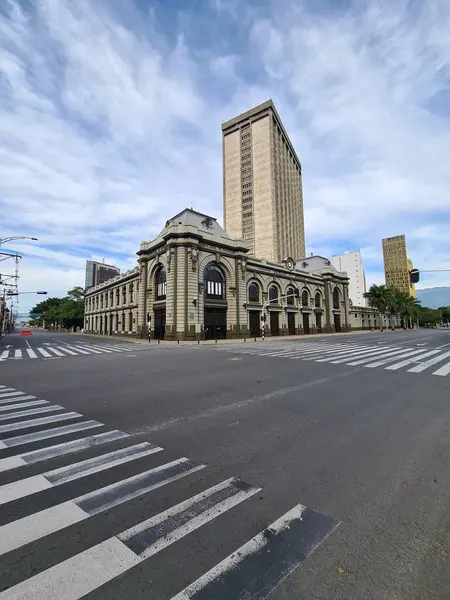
[250, 340]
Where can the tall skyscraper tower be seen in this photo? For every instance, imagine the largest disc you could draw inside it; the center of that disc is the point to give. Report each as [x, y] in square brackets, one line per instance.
[397, 264]
[262, 185]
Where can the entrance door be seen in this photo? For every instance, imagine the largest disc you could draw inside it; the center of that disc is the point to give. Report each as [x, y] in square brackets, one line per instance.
[337, 322]
[306, 322]
[274, 323]
[291, 323]
[254, 319]
[215, 323]
[319, 322]
[160, 323]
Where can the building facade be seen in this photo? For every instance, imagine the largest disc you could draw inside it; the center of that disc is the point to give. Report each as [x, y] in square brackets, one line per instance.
[397, 265]
[195, 282]
[351, 263]
[262, 185]
[97, 273]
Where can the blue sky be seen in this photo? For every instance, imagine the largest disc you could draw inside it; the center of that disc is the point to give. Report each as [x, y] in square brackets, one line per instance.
[110, 115]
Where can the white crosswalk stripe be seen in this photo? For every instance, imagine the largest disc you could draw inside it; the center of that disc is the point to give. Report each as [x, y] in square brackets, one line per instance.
[386, 356]
[35, 512]
[65, 350]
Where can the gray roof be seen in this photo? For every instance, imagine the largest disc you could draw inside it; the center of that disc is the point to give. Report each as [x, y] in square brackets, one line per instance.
[315, 263]
[204, 223]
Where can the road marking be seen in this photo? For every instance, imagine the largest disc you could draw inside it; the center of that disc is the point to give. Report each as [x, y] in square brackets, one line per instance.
[330, 354]
[37, 436]
[86, 571]
[55, 351]
[386, 360]
[28, 413]
[93, 350]
[28, 529]
[98, 349]
[255, 569]
[445, 370]
[66, 349]
[28, 343]
[44, 352]
[18, 353]
[443, 346]
[373, 353]
[89, 569]
[410, 360]
[23, 405]
[344, 353]
[37, 422]
[4, 354]
[34, 456]
[9, 392]
[429, 363]
[382, 353]
[32, 485]
[17, 399]
[155, 534]
[31, 353]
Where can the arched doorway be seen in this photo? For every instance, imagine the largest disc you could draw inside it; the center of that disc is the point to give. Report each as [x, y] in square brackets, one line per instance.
[215, 312]
[159, 307]
[254, 312]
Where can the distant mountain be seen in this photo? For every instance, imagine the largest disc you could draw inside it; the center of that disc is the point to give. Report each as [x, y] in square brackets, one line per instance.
[434, 297]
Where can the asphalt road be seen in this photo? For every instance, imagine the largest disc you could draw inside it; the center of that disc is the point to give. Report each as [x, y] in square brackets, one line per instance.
[365, 448]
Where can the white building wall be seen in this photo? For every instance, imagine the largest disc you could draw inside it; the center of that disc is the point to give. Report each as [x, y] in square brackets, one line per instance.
[351, 262]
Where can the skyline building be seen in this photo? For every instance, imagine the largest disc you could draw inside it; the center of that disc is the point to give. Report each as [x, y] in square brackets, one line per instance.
[351, 262]
[262, 185]
[397, 265]
[98, 272]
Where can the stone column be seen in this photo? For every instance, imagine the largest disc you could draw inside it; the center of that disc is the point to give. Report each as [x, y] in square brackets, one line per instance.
[328, 326]
[142, 299]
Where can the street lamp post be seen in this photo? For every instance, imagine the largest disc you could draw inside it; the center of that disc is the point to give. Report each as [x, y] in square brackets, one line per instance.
[9, 293]
[16, 237]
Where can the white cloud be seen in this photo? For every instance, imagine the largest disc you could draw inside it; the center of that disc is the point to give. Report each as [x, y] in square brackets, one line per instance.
[110, 124]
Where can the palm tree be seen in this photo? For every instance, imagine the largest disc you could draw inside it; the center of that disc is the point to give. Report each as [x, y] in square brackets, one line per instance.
[379, 297]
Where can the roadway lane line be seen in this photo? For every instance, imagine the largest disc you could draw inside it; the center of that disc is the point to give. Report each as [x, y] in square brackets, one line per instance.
[17, 399]
[64, 349]
[443, 371]
[28, 529]
[37, 422]
[374, 353]
[9, 392]
[379, 363]
[34, 456]
[443, 346]
[408, 361]
[255, 569]
[85, 572]
[23, 405]
[429, 363]
[37, 483]
[44, 353]
[382, 353]
[28, 413]
[57, 352]
[29, 438]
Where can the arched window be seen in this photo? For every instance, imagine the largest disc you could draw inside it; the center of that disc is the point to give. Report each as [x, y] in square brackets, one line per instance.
[290, 296]
[214, 283]
[317, 300]
[305, 298]
[336, 298]
[161, 284]
[273, 295]
[253, 292]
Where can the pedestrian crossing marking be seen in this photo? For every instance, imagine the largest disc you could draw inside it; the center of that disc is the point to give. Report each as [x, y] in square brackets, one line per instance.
[389, 357]
[116, 553]
[68, 351]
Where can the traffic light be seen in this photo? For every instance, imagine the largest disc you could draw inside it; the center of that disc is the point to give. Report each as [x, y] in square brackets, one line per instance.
[414, 276]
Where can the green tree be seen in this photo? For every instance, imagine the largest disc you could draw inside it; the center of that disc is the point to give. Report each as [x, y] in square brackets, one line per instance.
[65, 312]
[380, 298]
[77, 293]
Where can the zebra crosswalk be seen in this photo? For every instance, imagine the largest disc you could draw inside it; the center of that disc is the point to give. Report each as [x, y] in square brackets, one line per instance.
[387, 356]
[64, 350]
[55, 479]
